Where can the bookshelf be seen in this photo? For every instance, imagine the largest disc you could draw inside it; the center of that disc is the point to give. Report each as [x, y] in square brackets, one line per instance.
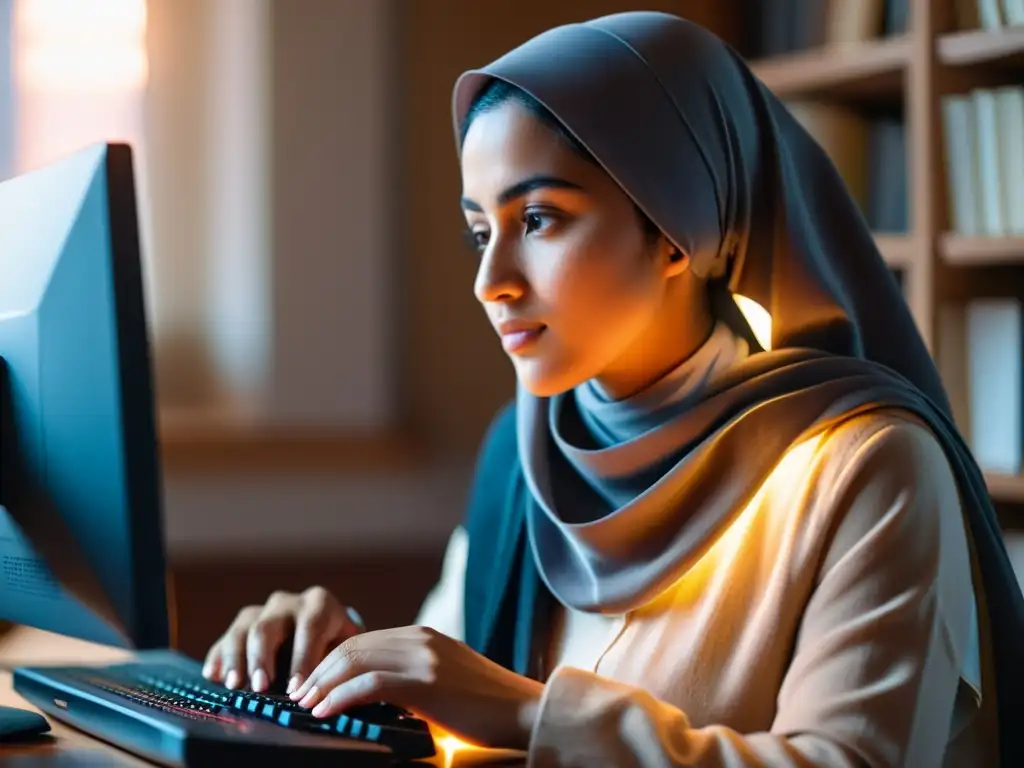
[913, 69]
[960, 250]
[868, 69]
[1003, 47]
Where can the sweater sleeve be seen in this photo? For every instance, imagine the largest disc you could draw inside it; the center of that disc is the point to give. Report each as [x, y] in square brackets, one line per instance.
[876, 666]
[442, 608]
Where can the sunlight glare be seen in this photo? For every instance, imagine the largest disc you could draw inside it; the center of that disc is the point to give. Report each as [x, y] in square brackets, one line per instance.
[74, 45]
[758, 318]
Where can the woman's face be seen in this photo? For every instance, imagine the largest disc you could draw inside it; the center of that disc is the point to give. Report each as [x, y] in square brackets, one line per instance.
[568, 277]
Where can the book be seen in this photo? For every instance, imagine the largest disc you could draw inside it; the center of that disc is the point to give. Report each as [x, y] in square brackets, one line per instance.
[961, 166]
[995, 340]
[790, 26]
[887, 193]
[983, 137]
[843, 134]
[1010, 136]
[986, 149]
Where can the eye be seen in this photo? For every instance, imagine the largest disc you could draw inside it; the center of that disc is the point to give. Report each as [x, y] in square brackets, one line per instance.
[537, 221]
[476, 239]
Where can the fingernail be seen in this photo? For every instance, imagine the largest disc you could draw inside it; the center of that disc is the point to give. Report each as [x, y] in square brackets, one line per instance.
[207, 671]
[293, 684]
[320, 709]
[309, 698]
[260, 683]
[233, 680]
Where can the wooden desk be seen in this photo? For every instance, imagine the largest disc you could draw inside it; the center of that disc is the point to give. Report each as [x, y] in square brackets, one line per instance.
[64, 747]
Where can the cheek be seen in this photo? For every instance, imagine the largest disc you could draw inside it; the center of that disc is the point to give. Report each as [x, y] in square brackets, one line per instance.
[600, 291]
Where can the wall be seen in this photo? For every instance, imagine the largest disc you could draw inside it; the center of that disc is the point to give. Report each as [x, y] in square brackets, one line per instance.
[360, 531]
[452, 374]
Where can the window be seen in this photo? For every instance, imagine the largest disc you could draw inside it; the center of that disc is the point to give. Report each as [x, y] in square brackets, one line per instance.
[263, 183]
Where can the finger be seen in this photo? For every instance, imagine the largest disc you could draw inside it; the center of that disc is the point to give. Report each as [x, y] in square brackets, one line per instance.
[265, 637]
[365, 688]
[345, 661]
[319, 625]
[356, 656]
[211, 664]
[333, 668]
[232, 647]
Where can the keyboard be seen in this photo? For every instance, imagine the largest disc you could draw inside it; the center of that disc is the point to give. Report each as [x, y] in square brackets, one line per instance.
[160, 707]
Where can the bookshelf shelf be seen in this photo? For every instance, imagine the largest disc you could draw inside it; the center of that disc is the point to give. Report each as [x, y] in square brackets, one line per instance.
[980, 46]
[932, 81]
[862, 70]
[981, 251]
[898, 250]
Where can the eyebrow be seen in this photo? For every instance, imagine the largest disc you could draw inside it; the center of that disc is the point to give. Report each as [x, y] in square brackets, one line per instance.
[524, 187]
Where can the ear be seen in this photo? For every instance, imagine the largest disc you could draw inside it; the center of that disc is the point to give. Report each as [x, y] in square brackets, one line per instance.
[673, 261]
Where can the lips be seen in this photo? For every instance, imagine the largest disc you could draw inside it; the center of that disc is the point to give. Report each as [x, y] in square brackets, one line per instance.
[518, 335]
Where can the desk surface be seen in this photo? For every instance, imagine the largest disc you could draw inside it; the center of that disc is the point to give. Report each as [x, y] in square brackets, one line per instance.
[66, 747]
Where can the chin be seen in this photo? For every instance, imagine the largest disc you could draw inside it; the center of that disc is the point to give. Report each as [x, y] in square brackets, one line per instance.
[542, 379]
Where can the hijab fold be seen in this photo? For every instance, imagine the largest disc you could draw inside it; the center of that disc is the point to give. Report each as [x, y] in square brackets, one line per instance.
[721, 167]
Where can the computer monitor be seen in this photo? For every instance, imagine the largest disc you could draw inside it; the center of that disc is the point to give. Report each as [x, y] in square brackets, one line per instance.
[81, 534]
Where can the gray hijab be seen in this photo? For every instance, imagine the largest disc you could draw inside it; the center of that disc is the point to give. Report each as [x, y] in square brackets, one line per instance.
[719, 165]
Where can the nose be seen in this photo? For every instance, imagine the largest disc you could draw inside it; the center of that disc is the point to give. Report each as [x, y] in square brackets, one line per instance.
[499, 277]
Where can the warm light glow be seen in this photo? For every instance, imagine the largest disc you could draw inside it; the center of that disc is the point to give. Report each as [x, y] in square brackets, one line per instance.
[758, 318]
[449, 746]
[730, 544]
[76, 45]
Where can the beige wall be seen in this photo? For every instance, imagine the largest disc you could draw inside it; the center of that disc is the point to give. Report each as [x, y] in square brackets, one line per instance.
[452, 374]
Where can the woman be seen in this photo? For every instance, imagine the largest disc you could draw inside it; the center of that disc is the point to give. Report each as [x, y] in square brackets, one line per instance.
[683, 548]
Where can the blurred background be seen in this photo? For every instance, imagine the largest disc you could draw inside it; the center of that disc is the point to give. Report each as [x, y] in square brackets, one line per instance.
[324, 372]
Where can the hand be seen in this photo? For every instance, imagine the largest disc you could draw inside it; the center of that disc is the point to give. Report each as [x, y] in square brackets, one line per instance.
[431, 674]
[247, 651]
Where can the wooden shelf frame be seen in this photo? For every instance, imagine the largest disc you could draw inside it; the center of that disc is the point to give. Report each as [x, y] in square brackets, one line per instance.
[861, 69]
[898, 250]
[919, 68]
[982, 47]
[957, 250]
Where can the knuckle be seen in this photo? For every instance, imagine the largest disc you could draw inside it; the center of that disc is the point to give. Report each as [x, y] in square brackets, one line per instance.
[245, 617]
[314, 618]
[428, 637]
[428, 634]
[278, 597]
[317, 596]
[372, 682]
[427, 665]
[349, 655]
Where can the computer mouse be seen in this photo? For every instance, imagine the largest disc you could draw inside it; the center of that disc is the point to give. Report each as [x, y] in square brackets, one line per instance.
[20, 724]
